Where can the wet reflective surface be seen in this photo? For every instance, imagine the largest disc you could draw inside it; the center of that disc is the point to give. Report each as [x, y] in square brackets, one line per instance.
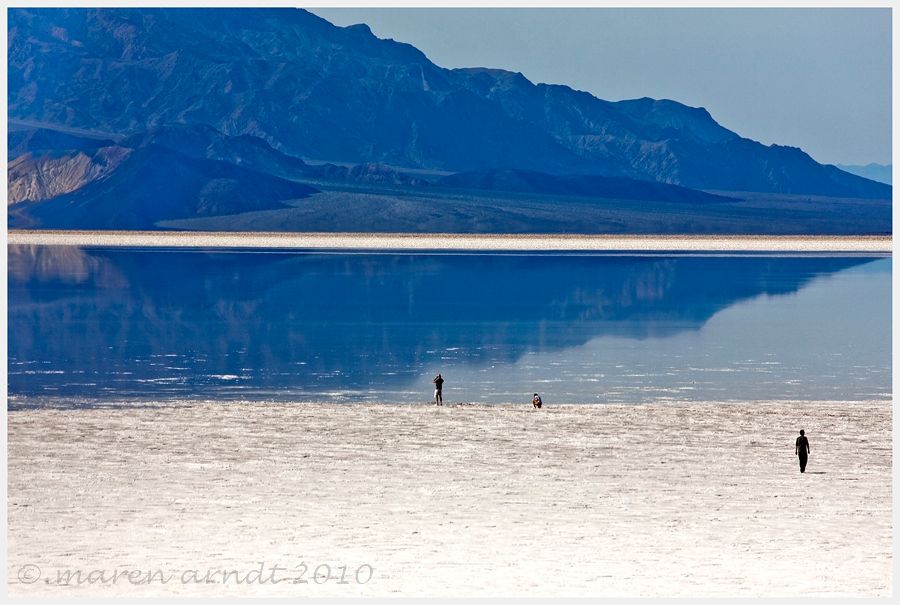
[128, 325]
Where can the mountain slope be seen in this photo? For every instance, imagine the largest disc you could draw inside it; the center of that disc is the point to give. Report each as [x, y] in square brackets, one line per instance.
[156, 183]
[311, 89]
[591, 186]
[44, 176]
[202, 141]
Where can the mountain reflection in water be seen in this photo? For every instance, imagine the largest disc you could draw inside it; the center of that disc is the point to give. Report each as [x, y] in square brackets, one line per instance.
[166, 324]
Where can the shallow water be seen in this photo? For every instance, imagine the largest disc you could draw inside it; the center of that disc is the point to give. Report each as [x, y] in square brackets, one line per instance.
[120, 326]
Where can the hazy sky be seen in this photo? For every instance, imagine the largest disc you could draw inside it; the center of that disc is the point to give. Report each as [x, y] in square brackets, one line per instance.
[818, 79]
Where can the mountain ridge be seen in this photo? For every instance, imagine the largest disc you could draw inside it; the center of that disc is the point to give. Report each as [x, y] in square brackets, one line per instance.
[171, 185]
[882, 173]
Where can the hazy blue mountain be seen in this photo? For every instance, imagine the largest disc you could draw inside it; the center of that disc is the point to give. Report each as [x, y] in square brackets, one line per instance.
[875, 172]
[153, 183]
[202, 141]
[38, 140]
[581, 185]
[369, 172]
[311, 89]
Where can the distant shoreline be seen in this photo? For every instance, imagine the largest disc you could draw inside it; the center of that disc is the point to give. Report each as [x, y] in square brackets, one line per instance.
[455, 241]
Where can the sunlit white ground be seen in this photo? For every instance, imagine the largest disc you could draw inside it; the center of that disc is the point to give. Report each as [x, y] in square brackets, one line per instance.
[662, 499]
[453, 241]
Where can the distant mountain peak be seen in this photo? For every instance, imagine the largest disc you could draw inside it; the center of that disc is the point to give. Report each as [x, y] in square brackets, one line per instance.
[883, 173]
[360, 27]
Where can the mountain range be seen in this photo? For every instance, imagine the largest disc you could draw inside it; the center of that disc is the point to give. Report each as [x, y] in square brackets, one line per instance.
[83, 183]
[882, 173]
[242, 103]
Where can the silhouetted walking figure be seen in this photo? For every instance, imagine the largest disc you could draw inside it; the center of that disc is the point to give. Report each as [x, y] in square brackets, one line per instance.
[802, 450]
[438, 383]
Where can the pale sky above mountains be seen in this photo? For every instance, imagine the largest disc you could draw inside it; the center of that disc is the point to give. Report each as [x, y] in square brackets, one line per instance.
[818, 79]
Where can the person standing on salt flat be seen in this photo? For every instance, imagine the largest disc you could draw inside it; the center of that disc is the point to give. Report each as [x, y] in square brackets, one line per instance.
[802, 450]
[438, 384]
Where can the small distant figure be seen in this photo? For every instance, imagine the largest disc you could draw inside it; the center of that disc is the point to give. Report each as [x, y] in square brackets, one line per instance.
[802, 450]
[536, 401]
[438, 384]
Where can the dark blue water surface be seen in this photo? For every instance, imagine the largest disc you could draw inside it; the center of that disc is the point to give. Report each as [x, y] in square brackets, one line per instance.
[133, 325]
